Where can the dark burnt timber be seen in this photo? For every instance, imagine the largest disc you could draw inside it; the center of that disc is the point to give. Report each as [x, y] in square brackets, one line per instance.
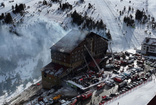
[68, 54]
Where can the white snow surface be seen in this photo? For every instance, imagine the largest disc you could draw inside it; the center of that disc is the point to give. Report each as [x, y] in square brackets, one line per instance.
[139, 96]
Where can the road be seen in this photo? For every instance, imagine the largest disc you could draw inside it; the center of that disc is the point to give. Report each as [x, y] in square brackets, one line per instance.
[25, 96]
[97, 95]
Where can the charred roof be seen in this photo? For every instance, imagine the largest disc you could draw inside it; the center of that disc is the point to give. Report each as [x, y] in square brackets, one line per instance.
[71, 41]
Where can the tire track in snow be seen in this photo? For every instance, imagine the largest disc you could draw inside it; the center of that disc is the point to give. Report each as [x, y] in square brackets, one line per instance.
[119, 24]
[135, 40]
[112, 23]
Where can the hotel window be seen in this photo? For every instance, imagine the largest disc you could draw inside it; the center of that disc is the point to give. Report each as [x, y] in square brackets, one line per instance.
[152, 48]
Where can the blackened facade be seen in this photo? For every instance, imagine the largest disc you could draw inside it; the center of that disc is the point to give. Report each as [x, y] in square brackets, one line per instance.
[70, 51]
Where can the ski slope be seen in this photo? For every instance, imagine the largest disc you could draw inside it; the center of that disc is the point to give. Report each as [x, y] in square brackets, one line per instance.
[113, 24]
[124, 38]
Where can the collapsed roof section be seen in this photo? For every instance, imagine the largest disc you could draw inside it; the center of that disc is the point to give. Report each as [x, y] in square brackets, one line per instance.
[70, 41]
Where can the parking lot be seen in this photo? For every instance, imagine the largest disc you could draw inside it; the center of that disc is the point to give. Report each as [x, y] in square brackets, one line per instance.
[119, 74]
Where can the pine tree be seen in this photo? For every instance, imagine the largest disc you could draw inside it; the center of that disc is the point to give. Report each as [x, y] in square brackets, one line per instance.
[81, 1]
[2, 16]
[21, 7]
[13, 7]
[16, 7]
[8, 18]
[109, 35]
[45, 2]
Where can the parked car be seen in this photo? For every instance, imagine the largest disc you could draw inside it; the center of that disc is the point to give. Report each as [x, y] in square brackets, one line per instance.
[56, 98]
[45, 100]
[100, 86]
[139, 69]
[41, 103]
[133, 71]
[40, 99]
[124, 62]
[148, 74]
[86, 95]
[144, 78]
[127, 74]
[134, 77]
[131, 65]
[119, 78]
[125, 88]
[129, 86]
[123, 84]
[114, 94]
[140, 62]
[106, 98]
[94, 81]
[127, 53]
[110, 83]
[130, 61]
[50, 101]
[132, 57]
[102, 102]
[115, 72]
[117, 56]
[74, 101]
[109, 66]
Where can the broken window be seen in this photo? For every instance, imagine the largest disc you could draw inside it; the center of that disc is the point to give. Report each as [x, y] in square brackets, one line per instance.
[45, 74]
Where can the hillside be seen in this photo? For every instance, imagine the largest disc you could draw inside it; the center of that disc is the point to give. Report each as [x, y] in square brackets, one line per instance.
[25, 43]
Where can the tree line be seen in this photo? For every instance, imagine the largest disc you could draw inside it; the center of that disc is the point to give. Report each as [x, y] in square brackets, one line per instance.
[89, 23]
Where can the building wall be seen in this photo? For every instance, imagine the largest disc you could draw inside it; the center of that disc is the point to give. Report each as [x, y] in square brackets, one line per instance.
[61, 58]
[148, 49]
[100, 46]
[96, 45]
[152, 49]
[49, 81]
[143, 48]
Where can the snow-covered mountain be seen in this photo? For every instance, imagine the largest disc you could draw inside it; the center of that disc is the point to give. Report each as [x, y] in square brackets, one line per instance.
[24, 45]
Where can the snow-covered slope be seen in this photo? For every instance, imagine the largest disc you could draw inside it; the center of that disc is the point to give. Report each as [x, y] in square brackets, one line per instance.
[22, 56]
[41, 26]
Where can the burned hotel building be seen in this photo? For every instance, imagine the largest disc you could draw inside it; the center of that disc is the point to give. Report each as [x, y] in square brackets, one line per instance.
[69, 53]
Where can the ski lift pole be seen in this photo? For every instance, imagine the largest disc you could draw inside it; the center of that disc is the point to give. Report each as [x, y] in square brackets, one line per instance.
[92, 58]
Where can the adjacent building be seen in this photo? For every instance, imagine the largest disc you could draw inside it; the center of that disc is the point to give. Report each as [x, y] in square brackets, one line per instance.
[70, 52]
[153, 101]
[148, 46]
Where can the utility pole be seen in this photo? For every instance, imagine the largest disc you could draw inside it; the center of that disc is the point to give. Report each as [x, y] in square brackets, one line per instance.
[147, 6]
